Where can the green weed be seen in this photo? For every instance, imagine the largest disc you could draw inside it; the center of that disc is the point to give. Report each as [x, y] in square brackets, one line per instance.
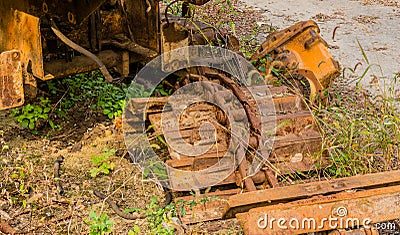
[249, 42]
[156, 169]
[99, 224]
[158, 217]
[174, 8]
[136, 230]
[89, 90]
[361, 130]
[102, 94]
[30, 114]
[102, 162]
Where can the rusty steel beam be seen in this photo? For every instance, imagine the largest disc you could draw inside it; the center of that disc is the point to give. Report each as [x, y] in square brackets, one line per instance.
[80, 64]
[202, 211]
[20, 31]
[338, 211]
[72, 11]
[360, 231]
[242, 202]
[239, 203]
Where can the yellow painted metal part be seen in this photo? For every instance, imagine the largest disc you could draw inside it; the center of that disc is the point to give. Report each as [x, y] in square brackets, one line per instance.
[300, 50]
[19, 34]
[11, 81]
[22, 32]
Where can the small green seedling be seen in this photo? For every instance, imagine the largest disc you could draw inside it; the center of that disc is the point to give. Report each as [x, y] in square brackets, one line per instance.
[99, 224]
[136, 230]
[103, 165]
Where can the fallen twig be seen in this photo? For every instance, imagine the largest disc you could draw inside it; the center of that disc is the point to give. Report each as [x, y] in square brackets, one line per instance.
[57, 165]
[116, 209]
[334, 32]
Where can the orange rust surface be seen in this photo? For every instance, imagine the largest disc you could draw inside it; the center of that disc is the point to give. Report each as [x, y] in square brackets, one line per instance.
[297, 139]
[11, 81]
[314, 188]
[337, 211]
[22, 32]
[239, 202]
[19, 31]
[198, 211]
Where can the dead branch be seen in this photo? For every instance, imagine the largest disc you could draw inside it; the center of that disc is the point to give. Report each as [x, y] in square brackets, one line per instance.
[57, 165]
[116, 209]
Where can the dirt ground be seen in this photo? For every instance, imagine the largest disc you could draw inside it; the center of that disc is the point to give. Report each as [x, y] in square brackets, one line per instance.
[41, 209]
[30, 200]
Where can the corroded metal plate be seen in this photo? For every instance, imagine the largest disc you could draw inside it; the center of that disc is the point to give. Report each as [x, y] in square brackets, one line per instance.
[11, 81]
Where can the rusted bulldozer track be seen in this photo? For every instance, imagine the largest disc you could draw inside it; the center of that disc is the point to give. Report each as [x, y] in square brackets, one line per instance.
[115, 34]
[296, 142]
[375, 197]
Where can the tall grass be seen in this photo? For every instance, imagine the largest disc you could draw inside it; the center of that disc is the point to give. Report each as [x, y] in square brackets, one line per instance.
[361, 129]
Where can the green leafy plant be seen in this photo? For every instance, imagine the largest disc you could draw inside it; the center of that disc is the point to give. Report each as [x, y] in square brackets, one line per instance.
[92, 90]
[21, 184]
[136, 230]
[161, 89]
[160, 219]
[249, 42]
[111, 109]
[175, 8]
[156, 169]
[102, 162]
[156, 215]
[99, 224]
[29, 115]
